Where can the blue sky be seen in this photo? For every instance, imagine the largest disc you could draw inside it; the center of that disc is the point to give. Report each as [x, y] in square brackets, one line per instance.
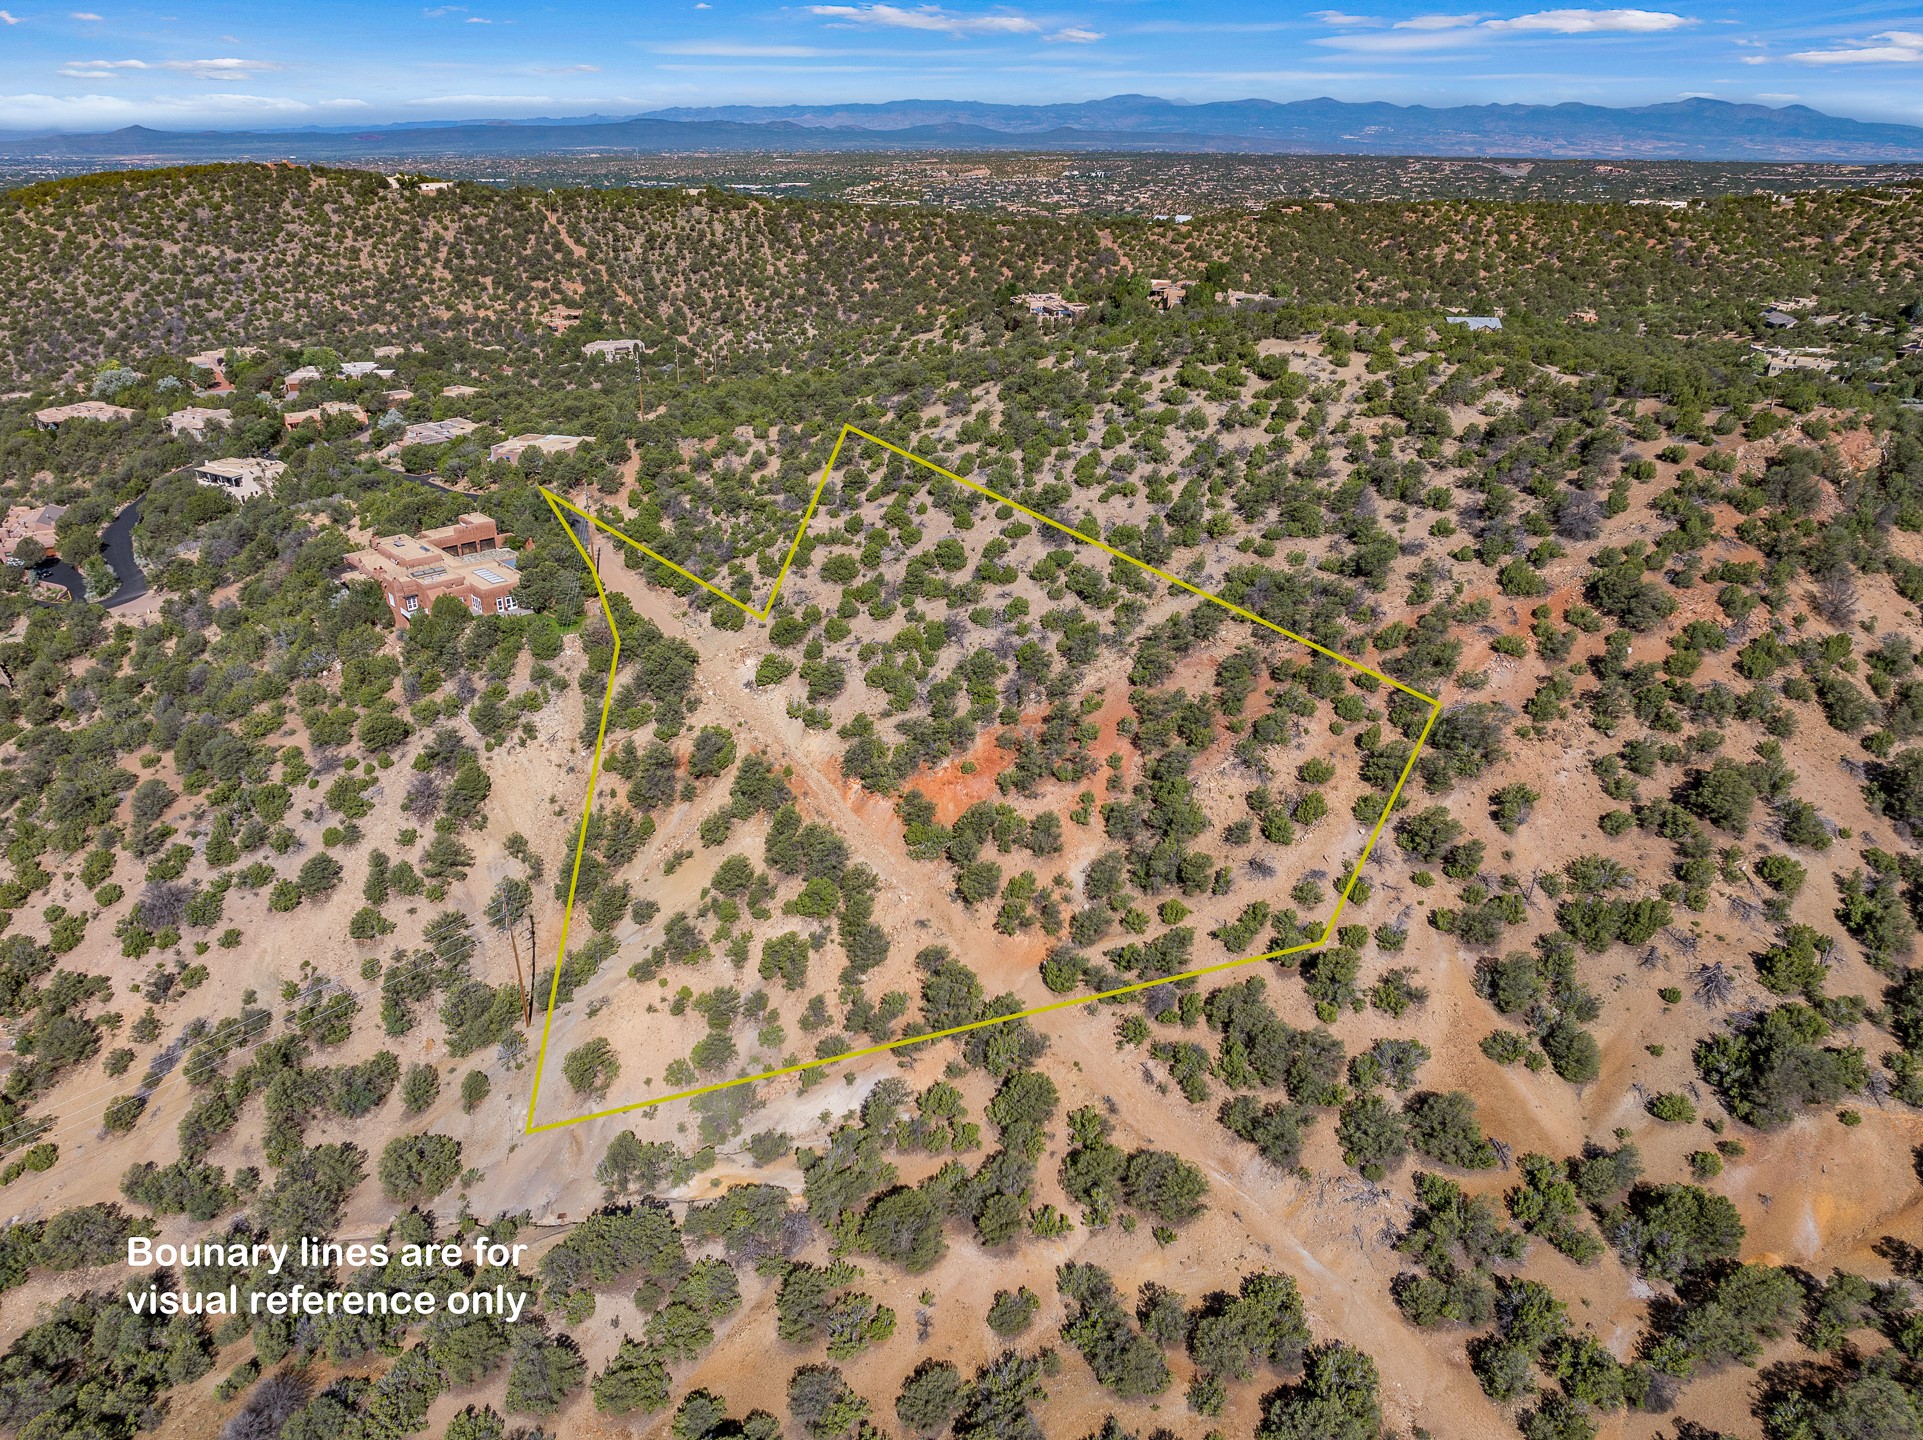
[243, 63]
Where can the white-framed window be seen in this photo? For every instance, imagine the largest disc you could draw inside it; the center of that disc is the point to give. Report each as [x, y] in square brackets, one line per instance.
[474, 603]
[505, 605]
[411, 604]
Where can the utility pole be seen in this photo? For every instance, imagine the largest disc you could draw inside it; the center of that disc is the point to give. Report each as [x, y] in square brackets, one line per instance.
[511, 903]
[528, 1010]
[527, 993]
[590, 538]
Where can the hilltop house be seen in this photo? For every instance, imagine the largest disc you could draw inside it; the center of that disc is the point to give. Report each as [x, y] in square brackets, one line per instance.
[513, 448]
[437, 432]
[1047, 305]
[1476, 322]
[1778, 361]
[215, 361]
[294, 380]
[428, 432]
[464, 560]
[1167, 294]
[611, 349]
[54, 416]
[195, 419]
[242, 477]
[322, 412]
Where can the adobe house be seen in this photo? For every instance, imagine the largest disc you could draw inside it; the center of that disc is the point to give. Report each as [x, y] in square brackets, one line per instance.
[464, 560]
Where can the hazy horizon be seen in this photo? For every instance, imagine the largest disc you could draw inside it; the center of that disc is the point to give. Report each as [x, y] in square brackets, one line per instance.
[355, 61]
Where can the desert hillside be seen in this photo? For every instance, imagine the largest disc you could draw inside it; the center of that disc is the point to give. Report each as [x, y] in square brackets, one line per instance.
[1449, 793]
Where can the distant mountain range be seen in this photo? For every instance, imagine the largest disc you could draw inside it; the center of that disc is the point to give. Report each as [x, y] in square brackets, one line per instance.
[1682, 130]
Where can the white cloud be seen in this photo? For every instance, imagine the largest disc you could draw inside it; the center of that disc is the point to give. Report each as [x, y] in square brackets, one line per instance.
[1446, 32]
[481, 100]
[476, 20]
[1753, 59]
[1437, 22]
[8, 19]
[100, 69]
[1073, 35]
[278, 104]
[737, 49]
[58, 110]
[228, 68]
[929, 18]
[1232, 27]
[1898, 47]
[1592, 22]
[1399, 41]
[1342, 19]
[565, 69]
[1779, 99]
[82, 112]
[82, 15]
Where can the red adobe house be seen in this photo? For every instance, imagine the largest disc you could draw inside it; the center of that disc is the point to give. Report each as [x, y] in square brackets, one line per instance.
[464, 560]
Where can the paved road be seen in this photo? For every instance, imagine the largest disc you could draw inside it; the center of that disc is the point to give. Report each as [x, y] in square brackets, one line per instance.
[118, 545]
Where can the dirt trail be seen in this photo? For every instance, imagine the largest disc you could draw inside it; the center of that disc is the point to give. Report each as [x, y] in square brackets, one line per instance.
[1332, 1234]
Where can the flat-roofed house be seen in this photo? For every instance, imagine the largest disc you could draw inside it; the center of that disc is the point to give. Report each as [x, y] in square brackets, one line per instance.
[323, 412]
[1047, 305]
[243, 477]
[215, 361]
[1476, 322]
[471, 534]
[514, 448]
[195, 419]
[293, 381]
[428, 432]
[54, 416]
[610, 349]
[464, 560]
[460, 392]
[438, 432]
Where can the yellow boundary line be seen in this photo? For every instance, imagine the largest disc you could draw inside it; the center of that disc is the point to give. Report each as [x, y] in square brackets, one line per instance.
[558, 505]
